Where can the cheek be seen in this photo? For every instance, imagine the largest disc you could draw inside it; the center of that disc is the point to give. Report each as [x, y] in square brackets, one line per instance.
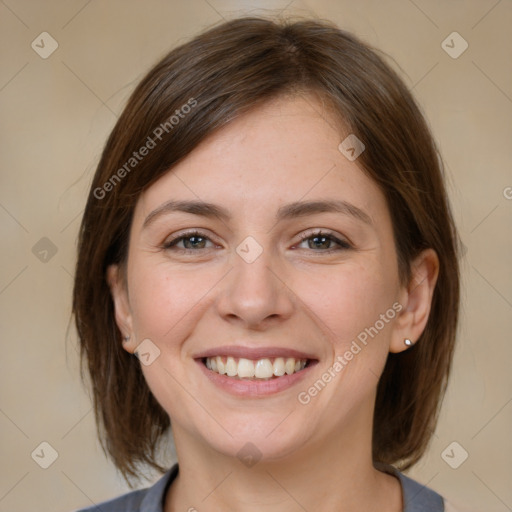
[349, 298]
[166, 304]
[165, 300]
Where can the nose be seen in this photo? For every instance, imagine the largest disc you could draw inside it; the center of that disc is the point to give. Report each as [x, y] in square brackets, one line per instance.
[255, 295]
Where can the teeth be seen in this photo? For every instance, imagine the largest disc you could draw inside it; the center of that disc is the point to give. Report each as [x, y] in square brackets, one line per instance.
[263, 369]
[260, 369]
[289, 366]
[279, 367]
[245, 368]
[220, 365]
[231, 367]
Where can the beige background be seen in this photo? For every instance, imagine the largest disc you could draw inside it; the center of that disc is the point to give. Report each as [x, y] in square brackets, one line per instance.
[56, 114]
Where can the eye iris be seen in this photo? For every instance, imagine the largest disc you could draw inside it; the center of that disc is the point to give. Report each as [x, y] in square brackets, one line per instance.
[324, 240]
[192, 242]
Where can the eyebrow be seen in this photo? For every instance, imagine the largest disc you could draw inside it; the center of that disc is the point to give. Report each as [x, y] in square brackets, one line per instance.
[286, 212]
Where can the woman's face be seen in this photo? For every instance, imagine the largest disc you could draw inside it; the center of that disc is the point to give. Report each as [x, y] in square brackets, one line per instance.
[250, 278]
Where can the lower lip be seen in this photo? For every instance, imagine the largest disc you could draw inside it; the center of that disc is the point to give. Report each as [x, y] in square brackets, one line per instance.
[254, 388]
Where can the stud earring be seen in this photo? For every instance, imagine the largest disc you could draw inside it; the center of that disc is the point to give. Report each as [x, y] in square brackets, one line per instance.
[408, 342]
[126, 339]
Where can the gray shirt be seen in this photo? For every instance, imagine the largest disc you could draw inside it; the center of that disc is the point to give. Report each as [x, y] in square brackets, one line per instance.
[417, 498]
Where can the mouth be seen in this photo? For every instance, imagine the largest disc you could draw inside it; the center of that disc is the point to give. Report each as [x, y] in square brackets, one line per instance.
[260, 369]
[254, 372]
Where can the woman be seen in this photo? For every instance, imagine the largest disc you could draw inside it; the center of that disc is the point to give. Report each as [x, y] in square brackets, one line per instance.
[268, 233]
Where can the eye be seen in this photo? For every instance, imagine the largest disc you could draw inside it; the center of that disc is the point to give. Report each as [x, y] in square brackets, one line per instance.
[319, 241]
[323, 240]
[192, 241]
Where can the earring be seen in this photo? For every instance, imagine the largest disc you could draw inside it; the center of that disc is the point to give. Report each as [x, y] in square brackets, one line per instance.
[408, 342]
[126, 339]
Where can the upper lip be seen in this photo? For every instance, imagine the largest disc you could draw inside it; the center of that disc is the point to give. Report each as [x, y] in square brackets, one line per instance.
[253, 353]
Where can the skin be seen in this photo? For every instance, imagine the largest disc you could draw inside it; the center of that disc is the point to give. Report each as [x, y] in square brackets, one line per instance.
[297, 294]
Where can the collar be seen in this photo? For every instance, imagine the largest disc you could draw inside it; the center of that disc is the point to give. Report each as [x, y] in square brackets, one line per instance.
[154, 499]
[416, 497]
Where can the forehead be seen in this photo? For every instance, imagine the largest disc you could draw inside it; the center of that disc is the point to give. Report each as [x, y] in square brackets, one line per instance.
[283, 151]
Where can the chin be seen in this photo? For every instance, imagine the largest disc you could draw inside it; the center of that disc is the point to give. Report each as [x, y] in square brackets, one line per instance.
[263, 439]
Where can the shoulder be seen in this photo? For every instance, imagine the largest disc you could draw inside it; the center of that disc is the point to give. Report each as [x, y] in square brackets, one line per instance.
[419, 498]
[129, 502]
[143, 500]
[416, 497]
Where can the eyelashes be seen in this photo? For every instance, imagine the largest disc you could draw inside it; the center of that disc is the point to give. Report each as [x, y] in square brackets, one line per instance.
[172, 244]
[323, 236]
[196, 241]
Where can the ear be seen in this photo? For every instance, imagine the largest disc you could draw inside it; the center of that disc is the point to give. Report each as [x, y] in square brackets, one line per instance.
[119, 292]
[416, 300]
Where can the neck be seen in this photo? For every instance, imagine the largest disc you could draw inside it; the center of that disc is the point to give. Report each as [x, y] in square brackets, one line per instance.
[333, 473]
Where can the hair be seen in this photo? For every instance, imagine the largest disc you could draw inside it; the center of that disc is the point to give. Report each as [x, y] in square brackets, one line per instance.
[221, 74]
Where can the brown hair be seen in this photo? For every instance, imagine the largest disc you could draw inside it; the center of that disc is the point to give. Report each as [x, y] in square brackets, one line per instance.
[221, 74]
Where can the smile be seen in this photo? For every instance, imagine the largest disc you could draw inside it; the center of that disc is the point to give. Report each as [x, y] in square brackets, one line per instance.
[254, 372]
[260, 369]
